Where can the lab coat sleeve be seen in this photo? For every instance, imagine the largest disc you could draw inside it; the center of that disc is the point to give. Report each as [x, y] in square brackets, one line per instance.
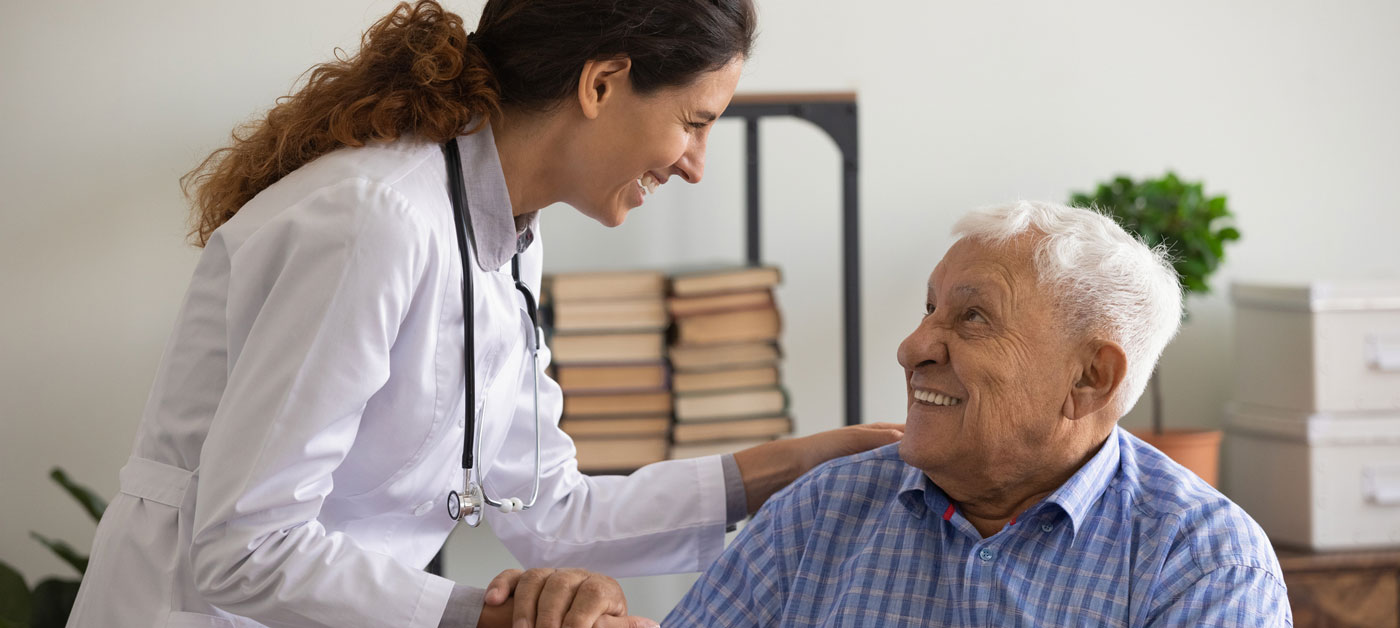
[316, 297]
[667, 517]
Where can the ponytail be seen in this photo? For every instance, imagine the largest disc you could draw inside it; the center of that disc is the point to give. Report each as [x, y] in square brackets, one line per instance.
[417, 73]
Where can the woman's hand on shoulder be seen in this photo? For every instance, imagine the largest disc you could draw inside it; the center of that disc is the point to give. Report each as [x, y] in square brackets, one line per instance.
[769, 467]
[556, 598]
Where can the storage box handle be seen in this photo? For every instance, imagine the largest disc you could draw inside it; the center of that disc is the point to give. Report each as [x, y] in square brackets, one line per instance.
[1384, 351]
[1381, 485]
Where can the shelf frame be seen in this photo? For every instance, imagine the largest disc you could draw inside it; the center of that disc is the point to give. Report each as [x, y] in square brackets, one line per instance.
[836, 113]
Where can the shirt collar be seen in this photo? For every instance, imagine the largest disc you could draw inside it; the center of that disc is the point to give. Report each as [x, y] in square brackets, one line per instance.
[494, 237]
[1083, 489]
[918, 493]
[1076, 496]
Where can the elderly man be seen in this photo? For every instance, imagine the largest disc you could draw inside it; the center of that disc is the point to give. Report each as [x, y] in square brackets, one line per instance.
[1014, 499]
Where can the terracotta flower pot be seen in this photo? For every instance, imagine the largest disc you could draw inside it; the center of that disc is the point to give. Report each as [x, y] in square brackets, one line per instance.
[1197, 450]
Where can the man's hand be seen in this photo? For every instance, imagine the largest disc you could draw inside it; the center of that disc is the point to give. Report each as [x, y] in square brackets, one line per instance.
[557, 598]
[771, 466]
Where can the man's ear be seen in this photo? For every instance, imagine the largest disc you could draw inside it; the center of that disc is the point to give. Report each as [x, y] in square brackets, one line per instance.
[599, 81]
[1101, 375]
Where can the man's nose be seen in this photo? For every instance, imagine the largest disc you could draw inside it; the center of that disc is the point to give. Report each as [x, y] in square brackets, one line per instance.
[927, 344]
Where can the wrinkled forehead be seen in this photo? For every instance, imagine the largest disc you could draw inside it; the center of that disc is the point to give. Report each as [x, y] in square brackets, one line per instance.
[975, 265]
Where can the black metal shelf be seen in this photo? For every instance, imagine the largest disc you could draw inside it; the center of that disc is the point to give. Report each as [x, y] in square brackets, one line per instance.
[834, 113]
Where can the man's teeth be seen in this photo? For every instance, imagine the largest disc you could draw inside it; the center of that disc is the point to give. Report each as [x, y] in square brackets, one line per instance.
[648, 183]
[935, 398]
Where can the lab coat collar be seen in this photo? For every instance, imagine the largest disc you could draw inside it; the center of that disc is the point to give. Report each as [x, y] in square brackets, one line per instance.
[1075, 497]
[494, 237]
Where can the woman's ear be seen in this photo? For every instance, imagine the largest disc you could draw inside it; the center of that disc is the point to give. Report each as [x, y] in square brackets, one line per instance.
[1101, 375]
[599, 81]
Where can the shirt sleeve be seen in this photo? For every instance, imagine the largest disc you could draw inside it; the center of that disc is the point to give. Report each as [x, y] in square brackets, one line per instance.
[748, 585]
[315, 299]
[1231, 596]
[736, 496]
[463, 607]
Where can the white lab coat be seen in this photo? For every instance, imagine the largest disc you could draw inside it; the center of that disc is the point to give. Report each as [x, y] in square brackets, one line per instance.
[305, 424]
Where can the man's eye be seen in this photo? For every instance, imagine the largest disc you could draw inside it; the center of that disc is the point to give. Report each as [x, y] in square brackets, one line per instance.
[974, 316]
[928, 309]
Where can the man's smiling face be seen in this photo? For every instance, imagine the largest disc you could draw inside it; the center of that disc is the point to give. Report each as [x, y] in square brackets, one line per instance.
[988, 368]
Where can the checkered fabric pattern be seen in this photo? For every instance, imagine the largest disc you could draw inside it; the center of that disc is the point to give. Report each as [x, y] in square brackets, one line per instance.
[1132, 539]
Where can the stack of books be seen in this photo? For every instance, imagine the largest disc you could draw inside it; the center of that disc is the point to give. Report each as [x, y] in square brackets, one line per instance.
[608, 338]
[724, 358]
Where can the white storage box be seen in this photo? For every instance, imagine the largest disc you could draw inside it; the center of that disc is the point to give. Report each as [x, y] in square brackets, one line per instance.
[1315, 480]
[1321, 347]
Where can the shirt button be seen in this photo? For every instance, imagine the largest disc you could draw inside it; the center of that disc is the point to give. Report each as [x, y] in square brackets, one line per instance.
[422, 509]
[986, 555]
[462, 422]
[1045, 527]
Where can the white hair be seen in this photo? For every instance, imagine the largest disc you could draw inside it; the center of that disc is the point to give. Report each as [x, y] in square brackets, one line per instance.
[1105, 280]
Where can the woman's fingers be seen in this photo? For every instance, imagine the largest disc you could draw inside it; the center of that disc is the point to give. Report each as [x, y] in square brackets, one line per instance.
[527, 595]
[557, 596]
[501, 586]
[610, 621]
[597, 596]
[565, 598]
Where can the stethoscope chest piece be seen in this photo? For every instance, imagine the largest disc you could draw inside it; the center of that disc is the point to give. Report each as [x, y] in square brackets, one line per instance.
[466, 507]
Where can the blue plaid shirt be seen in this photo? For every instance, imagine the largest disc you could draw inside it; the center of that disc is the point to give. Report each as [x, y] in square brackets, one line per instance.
[1132, 539]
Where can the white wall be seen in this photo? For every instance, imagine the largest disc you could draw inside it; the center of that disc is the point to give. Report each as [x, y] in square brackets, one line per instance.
[1288, 107]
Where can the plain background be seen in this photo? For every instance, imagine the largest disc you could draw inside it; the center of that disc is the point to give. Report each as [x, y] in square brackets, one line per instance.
[1288, 107]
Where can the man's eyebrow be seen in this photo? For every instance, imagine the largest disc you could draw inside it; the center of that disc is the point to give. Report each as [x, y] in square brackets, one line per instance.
[964, 290]
[967, 290]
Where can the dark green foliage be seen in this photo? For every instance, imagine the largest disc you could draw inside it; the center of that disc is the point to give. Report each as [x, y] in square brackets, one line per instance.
[90, 502]
[1193, 225]
[51, 601]
[15, 603]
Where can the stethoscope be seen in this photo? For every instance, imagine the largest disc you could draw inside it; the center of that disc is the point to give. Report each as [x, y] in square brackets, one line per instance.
[468, 505]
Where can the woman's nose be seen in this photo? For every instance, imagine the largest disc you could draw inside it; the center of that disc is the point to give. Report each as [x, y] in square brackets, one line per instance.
[691, 165]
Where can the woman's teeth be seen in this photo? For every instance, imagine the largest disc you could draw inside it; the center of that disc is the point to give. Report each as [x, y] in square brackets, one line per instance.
[648, 183]
[935, 398]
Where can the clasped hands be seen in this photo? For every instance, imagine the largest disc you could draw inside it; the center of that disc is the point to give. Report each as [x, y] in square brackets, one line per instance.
[556, 598]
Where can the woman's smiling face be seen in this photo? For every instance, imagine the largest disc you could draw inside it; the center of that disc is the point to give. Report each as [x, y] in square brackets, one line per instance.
[637, 142]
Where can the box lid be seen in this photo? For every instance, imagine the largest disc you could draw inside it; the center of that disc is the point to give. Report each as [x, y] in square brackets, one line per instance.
[1320, 296]
[1321, 428]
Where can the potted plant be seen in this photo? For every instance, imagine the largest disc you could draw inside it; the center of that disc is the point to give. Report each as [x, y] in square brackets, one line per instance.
[51, 601]
[1194, 227]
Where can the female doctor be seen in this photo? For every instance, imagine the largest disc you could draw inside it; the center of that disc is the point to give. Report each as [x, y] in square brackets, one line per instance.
[300, 458]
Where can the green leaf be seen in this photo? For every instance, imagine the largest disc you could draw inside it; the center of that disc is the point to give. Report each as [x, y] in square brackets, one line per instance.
[1216, 208]
[93, 504]
[64, 551]
[1174, 212]
[53, 603]
[15, 602]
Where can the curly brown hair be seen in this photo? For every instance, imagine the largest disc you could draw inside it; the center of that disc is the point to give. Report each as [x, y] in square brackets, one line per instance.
[414, 73]
[418, 72]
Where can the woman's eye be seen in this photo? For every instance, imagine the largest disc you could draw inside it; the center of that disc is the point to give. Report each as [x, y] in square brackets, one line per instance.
[697, 125]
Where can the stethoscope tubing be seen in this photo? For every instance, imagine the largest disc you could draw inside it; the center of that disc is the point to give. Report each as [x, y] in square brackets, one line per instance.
[475, 490]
